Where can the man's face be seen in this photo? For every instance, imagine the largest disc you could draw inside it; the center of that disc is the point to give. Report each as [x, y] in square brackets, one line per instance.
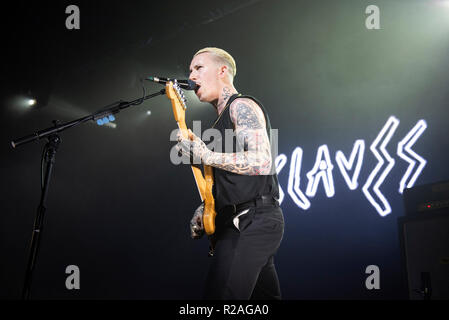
[204, 71]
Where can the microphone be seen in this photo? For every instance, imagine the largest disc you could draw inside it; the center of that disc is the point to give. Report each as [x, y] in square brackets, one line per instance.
[185, 84]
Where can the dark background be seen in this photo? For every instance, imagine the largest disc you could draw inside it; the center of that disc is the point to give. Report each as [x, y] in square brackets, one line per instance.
[119, 209]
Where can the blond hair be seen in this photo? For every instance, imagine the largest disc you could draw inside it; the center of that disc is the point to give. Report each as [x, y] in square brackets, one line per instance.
[223, 57]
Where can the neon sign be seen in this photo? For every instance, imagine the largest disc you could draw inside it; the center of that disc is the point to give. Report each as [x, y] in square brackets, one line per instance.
[321, 172]
[385, 136]
[409, 141]
[294, 180]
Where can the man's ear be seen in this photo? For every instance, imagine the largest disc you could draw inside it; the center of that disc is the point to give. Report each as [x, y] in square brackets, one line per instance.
[223, 71]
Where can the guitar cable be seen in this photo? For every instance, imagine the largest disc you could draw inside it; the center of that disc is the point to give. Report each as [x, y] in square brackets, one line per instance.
[144, 94]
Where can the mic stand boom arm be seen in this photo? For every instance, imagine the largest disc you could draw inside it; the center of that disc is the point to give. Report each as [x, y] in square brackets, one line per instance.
[116, 107]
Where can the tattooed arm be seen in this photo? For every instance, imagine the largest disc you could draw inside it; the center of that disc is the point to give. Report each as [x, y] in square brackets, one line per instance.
[253, 156]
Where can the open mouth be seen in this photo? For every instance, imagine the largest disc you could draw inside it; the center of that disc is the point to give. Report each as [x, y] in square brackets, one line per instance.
[197, 88]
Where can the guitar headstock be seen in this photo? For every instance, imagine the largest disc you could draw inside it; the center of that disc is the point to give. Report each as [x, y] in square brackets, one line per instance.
[178, 101]
[174, 92]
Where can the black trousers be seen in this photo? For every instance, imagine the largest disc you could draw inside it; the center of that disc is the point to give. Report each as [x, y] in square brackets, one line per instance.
[243, 267]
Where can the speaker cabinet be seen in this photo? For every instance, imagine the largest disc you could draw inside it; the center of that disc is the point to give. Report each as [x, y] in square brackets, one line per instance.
[424, 239]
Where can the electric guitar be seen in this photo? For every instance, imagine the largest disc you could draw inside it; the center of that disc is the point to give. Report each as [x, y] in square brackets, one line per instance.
[203, 183]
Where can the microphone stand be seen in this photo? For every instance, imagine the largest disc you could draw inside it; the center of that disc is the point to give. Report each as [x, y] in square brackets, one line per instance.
[49, 153]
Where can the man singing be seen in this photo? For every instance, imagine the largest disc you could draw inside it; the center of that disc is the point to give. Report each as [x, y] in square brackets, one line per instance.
[249, 221]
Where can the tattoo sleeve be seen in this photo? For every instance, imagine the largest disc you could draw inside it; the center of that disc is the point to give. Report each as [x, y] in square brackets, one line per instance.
[253, 154]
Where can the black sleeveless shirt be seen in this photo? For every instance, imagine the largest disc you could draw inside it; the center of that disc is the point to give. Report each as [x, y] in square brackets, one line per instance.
[230, 188]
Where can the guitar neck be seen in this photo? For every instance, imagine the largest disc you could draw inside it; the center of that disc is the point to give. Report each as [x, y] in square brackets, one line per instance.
[198, 175]
[176, 96]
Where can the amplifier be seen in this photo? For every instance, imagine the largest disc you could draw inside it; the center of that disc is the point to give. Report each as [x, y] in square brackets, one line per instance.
[424, 241]
[425, 198]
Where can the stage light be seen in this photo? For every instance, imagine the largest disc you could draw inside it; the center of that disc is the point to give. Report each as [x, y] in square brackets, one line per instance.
[107, 121]
[444, 3]
[441, 4]
[31, 102]
[149, 112]
[22, 102]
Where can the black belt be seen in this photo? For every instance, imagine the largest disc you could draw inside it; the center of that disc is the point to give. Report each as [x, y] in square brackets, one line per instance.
[262, 201]
[227, 212]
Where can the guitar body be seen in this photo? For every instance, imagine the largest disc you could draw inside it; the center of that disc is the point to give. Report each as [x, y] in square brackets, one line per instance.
[203, 183]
